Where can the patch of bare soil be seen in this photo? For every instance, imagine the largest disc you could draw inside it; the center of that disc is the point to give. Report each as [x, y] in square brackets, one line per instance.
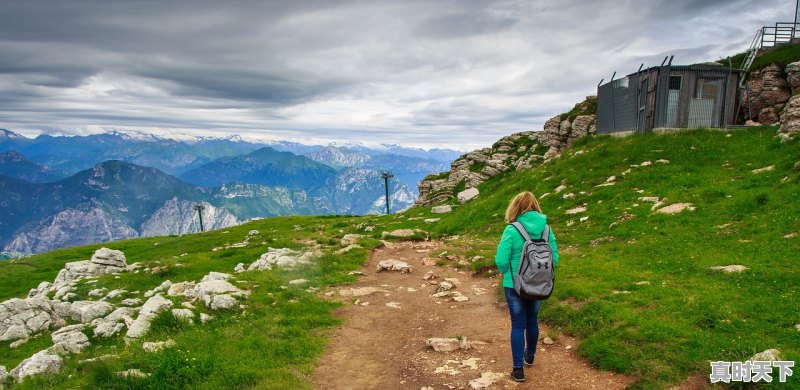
[381, 344]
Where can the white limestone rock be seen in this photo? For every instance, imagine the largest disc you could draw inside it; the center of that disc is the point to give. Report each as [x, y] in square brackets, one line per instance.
[109, 257]
[71, 338]
[156, 346]
[447, 344]
[281, 257]
[215, 276]
[183, 314]
[443, 209]
[87, 311]
[42, 362]
[393, 265]
[150, 309]
[468, 194]
[22, 318]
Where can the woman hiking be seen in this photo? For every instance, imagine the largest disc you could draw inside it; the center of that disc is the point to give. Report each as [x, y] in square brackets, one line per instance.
[524, 208]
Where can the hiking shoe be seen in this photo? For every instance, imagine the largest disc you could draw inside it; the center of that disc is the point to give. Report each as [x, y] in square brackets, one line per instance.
[518, 375]
[529, 359]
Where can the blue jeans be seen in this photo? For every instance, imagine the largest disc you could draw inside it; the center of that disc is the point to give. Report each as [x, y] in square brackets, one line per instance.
[524, 325]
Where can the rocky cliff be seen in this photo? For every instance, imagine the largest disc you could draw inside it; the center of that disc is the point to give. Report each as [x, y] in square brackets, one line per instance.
[517, 151]
[772, 97]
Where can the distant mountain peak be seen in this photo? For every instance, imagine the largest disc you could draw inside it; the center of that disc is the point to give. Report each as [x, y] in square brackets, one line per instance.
[11, 155]
[8, 134]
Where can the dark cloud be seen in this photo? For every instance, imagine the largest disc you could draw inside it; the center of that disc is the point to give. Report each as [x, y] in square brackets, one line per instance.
[406, 72]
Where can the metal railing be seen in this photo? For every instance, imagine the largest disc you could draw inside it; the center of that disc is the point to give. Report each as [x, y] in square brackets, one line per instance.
[781, 32]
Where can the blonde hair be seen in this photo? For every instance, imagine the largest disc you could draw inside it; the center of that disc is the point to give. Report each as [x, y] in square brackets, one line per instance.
[523, 202]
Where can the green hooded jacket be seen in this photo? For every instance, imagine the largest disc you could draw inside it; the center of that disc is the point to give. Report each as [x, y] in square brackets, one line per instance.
[509, 250]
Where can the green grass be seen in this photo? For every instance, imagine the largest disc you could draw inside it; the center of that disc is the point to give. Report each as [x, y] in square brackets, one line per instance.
[688, 314]
[272, 343]
[661, 332]
[781, 56]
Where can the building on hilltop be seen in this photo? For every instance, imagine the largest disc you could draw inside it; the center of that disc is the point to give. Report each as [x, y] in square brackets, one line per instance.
[669, 96]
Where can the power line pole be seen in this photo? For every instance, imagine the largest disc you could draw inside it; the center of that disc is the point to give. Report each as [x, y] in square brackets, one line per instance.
[386, 176]
[199, 209]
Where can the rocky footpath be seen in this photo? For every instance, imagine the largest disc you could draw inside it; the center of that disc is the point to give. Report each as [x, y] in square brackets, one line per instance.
[517, 151]
[74, 321]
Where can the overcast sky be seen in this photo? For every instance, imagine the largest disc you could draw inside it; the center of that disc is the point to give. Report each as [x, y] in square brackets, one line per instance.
[457, 74]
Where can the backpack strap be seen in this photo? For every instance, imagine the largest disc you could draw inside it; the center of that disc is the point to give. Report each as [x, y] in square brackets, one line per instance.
[521, 230]
[546, 233]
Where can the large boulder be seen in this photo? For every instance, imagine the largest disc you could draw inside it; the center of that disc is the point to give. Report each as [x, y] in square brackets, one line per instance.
[22, 318]
[109, 257]
[218, 294]
[468, 194]
[42, 362]
[71, 338]
[87, 311]
[150, 309]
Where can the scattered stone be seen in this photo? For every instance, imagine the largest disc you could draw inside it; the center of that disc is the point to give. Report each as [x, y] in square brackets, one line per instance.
[431, 220]
[394, 305]
[131, 302]
[400, 233]
[765, 169]
[646, 164]
[471, 363]
[653, 199]
[116, 293]
[97, 293]
[730, 268]
[445, 286]
[183, 314]
[676, 208]
[429, 275]
[359, 273]
[107, 329]
[446, 369]
[298, 281]
[770, 355]
[209, 290]
[281, 257]
[441, 209]
[133, 373]
[215, 276]
[560, 188]
[205, 318]
[187, 305]
[350, 239]
[568, 196]
[642, 283]
[486, 380]
[182, 289]
[447, 344]
[239, 268]
[361, 291]
[467, 195]
[347, 248]
[156, 346]
[662, 161]
[601, 240]
[222, 302]
[394, 265]
[584, 219]
[253, 233]
[153, 306]
[616, 292]
[42, 362]
[547, 341]
[797, 326]
[576, 210]
[16, 344]
[71, 338]
[459, 297]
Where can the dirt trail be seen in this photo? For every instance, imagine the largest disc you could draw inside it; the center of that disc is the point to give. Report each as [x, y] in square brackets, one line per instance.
[383, 347]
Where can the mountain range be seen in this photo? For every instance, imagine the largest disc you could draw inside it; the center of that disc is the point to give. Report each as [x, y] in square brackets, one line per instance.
[145, 186]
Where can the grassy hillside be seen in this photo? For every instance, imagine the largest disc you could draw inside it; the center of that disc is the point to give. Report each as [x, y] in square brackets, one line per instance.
[661, 331]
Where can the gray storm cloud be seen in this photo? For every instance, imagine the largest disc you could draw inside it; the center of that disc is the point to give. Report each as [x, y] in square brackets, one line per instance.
[420, 73]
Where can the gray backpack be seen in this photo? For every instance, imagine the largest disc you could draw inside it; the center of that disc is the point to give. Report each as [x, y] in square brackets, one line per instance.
[536, 275]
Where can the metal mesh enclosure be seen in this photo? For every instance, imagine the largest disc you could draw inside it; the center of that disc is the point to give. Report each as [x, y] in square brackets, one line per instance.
[617, 106]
